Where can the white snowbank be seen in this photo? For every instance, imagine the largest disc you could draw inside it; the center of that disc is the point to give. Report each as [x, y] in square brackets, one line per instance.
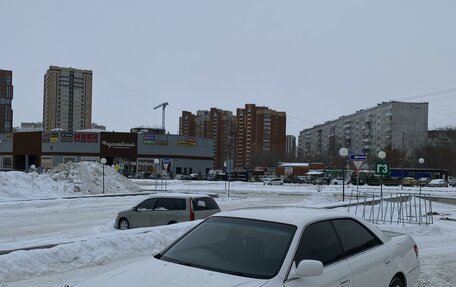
[87, 178]
[91, 252]
[65, 180]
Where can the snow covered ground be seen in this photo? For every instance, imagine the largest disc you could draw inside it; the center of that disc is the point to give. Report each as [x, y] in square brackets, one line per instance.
[37, 210]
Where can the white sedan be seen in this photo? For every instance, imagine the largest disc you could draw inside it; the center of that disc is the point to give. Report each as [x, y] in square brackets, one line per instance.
[272, 247]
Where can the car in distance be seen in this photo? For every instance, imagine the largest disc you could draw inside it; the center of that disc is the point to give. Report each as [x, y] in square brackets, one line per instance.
[322, 180]
[276, 247]
[438, 182]
[167, 209]
[273, 181]
[409, 181]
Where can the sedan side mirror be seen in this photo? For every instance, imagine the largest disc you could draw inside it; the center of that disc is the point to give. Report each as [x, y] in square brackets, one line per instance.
[306, 268]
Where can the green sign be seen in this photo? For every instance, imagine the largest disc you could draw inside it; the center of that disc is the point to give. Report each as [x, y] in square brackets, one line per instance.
[382, 168]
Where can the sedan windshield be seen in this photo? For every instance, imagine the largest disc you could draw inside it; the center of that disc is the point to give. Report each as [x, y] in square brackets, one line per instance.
[238, 246]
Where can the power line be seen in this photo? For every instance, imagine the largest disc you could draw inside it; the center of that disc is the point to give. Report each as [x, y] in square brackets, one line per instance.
[430, 94]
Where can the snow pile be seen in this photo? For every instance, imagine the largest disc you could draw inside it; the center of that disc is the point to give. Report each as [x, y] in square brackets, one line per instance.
[87, 178]
[21, 185]
[90, 252]
[84, 178]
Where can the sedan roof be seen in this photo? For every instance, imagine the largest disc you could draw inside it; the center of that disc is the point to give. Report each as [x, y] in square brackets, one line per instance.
[298, 216]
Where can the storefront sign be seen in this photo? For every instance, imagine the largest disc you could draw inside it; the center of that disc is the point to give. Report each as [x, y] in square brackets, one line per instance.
[66, 137]
[86, 137]
[153, 140]
[123, 145]
[118, 145]
[46, 137]
[188, 141]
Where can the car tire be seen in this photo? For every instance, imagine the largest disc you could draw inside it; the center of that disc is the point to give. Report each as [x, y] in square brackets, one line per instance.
[396, 282]
[124, 224]
[172, 222]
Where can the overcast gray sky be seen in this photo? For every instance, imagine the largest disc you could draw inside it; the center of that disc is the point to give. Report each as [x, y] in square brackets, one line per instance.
[315, 60]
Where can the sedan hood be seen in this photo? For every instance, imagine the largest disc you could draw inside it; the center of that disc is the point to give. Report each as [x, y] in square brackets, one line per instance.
[153, 272]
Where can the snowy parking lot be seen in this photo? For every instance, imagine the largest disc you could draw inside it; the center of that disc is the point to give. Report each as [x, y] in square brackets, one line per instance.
[88, 244]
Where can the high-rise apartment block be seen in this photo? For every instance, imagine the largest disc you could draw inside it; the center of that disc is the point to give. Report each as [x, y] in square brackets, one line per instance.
[260, 136]
[215, 124]
[290, 148]
[67, 100]
[187, 124]
[6, 98]
[255, 136]
[397, 125]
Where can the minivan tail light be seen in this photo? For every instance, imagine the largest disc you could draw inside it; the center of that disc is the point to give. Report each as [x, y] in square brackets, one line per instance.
[192, 213]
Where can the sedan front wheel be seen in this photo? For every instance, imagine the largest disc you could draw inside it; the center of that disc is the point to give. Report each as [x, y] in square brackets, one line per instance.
[124, 224]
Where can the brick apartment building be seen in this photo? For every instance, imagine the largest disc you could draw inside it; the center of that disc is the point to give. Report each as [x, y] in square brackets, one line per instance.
[6, 98]
[255, 136]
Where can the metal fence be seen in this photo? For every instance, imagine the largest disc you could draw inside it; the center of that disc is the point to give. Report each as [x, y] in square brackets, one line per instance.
[388, 207]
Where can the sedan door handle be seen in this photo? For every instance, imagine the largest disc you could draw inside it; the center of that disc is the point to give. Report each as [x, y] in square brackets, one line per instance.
[387, 261]
[345, 282]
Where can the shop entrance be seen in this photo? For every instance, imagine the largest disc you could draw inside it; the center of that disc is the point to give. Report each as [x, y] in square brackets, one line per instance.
[122, 165]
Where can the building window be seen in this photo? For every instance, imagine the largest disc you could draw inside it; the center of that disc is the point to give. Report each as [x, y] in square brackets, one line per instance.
[89, 158]
[47, 162]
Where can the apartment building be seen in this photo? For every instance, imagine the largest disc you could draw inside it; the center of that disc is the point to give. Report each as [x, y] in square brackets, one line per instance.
[67, 99]
[187, 124]
[254, 137]
[6, 98]
[399, 125]
[215, 124]
[260, 138]
[290, 150]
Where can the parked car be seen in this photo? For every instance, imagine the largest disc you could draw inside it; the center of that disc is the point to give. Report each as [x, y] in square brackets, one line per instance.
[423, 181]
[451, 181]
[438, 182]
[292, 179]
[276, 247]
[167, 209]
[409, 181]
[273, 181]
[338, 180]
[322, 180]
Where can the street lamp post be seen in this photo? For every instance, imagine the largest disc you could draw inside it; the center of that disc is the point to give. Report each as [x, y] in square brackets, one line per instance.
[103, 162]
[343, 152]
[156, 162]
[230, 166]
[420, 161]
[381, 155]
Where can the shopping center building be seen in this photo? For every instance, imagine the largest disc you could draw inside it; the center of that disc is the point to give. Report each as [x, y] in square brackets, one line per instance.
[131, 152]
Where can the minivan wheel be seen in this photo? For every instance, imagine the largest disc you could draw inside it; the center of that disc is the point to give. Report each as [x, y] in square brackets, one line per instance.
[124, 224]
[396, 282]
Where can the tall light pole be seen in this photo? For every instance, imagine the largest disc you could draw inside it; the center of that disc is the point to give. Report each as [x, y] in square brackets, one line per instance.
[103, 162]
[420, 161]
[343, 152]
[156, 162]
[381, 155]
[230, 165]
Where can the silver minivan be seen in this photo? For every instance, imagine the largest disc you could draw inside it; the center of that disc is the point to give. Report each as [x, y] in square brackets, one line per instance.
[167, 209]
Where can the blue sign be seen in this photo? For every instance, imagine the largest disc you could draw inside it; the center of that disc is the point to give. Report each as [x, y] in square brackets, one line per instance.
[358, 157]
[166, 161]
